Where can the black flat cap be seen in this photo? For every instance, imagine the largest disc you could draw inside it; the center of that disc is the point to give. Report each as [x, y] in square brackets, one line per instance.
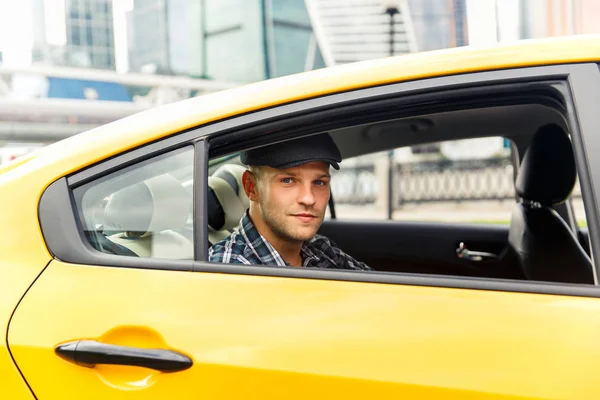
[295, 152]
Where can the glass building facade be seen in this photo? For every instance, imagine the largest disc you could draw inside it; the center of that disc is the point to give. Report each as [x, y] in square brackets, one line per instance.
[293, 44]
[230, 40]
[147, 43]
[90, 34]
[439, 24]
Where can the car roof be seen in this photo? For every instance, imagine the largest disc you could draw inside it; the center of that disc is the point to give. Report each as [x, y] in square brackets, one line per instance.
[99, 143]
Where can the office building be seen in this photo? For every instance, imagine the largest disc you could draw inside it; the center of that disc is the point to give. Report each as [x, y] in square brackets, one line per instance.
[89, 34]
[230, 40]
[439, 24]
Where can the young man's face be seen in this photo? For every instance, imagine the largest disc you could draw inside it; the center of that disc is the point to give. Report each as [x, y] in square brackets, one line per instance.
[291, 202]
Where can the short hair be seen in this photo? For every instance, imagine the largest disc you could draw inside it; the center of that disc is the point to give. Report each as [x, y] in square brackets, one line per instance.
[256, 170]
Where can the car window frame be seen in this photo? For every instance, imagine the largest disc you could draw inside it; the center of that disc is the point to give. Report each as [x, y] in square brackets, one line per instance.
[244, 131]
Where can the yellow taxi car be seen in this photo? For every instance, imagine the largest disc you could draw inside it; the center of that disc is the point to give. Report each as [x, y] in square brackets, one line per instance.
[106, 292]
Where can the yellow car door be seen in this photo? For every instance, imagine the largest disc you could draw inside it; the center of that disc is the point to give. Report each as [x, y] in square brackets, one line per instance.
[266, 337]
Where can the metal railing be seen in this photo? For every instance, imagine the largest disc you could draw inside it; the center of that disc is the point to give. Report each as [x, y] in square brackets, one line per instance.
[355, 185]
[430, 181]
[445, 180]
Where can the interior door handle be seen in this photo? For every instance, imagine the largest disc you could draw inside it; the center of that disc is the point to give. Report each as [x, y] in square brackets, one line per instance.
[466, 254]
[88, 353]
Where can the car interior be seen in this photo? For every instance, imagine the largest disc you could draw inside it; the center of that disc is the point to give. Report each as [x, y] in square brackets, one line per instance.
[142, 211]
[162, 208]
[541, 243]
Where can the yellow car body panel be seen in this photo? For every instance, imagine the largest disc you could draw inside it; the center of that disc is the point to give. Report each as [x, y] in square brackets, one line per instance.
[273, 338]
[24, 257]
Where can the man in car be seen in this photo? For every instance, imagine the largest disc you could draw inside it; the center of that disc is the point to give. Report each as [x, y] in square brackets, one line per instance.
[288, 187]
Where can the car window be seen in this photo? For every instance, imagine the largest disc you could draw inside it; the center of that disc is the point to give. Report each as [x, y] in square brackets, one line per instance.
[144, 210]
[463, 188]
[470, 180]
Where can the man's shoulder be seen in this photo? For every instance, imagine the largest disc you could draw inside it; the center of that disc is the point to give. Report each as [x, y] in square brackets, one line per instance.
[234, 239]
[228, 250]
[320, 240]
[326, 246]
[322, 244]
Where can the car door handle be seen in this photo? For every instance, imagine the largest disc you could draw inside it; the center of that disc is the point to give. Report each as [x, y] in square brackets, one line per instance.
[88, 353]
[466, 254]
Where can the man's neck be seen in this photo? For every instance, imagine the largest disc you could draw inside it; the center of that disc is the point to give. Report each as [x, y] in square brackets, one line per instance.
[288, 250]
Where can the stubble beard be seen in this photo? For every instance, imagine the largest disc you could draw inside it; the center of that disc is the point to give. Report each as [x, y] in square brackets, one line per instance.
[278, 224]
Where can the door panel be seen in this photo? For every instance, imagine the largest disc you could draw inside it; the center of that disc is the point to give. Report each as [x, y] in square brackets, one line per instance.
[401, 246]
[272, 338]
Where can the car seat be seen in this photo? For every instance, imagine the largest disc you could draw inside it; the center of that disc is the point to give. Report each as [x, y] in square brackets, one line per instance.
[147, 214]
[546, 247]
[227, 201]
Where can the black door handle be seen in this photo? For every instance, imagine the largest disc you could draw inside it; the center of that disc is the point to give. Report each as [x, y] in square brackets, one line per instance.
[88, 353]
[466, 254]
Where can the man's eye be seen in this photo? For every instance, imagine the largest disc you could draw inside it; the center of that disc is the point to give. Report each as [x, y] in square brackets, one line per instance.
[319, 182]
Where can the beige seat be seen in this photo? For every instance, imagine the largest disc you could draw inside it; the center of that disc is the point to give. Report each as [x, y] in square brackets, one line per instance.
[148, 214]
[227, 201]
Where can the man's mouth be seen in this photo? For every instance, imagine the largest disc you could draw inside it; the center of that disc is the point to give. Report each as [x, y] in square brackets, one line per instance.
[305, 217]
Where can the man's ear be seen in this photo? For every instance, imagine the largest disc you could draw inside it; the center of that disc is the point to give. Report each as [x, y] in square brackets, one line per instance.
[249, 182]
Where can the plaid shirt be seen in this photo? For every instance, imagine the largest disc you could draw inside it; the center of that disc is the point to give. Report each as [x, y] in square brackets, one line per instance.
[248, 246]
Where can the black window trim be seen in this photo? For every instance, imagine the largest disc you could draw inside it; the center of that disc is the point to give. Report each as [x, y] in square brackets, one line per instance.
[577, 75]
[295, 124]
[200, 206]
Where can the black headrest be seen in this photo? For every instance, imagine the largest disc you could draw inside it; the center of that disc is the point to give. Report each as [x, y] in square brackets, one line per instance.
[547, 174]
[216, 214]
[227, 200]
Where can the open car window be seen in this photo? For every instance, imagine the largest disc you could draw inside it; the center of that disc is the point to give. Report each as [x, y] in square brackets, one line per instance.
[458, 168]
[456, 181]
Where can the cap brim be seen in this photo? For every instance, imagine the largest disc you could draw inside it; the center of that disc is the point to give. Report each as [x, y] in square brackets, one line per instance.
[331, 162]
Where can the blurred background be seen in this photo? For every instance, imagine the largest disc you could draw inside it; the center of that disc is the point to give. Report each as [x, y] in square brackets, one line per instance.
[69, 65]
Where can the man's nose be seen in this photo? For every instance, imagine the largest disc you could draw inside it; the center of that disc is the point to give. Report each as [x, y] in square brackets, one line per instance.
[306, 196]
